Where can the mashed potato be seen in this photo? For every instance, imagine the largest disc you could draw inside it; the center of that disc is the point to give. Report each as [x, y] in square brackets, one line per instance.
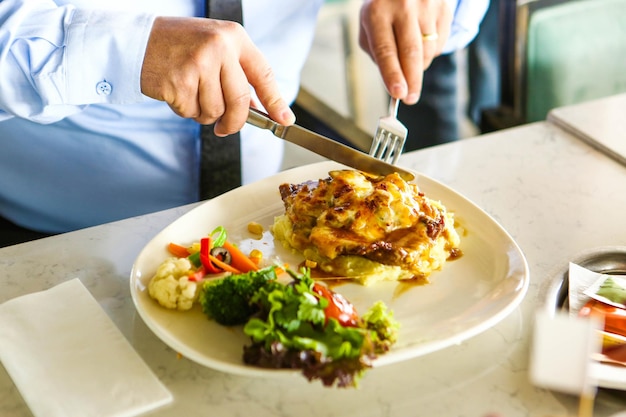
[366, 227]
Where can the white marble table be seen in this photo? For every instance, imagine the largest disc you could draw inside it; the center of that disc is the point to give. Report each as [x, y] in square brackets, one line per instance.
[601, 123]
[556, 195]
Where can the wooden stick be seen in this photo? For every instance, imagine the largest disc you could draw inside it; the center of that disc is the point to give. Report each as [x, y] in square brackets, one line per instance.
[585, 405]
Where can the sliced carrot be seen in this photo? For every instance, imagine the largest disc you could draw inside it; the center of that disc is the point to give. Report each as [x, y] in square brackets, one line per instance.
[223, 265]
[614, 317]
[178, 250]
[239, 259]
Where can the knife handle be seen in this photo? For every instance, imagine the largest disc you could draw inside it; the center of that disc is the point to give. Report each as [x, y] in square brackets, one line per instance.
[259, 119]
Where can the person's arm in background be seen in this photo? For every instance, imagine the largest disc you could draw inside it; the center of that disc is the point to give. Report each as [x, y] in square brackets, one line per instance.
[55, 60]
[393, 33]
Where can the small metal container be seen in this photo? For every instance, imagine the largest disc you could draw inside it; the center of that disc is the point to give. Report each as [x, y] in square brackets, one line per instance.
[605, 260]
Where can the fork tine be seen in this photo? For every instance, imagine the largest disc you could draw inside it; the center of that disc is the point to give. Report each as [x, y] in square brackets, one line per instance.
[382, 139]
[386, 147]
[376, 145]
[390, 136]
[397, 149]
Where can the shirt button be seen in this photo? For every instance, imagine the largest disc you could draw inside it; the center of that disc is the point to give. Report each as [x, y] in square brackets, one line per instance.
[103, 88]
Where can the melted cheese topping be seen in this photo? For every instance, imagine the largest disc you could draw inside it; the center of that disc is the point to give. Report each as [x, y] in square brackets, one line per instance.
[384, 220]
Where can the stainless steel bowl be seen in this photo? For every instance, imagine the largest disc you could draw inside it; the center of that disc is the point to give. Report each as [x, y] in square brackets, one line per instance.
[605, 260]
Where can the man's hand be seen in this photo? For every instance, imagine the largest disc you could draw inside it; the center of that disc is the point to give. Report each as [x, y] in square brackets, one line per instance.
[403, 37]
[203, 68]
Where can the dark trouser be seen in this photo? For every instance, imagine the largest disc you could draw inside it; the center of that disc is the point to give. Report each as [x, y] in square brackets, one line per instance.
[483, 63]
[433, 120]
[12, 234]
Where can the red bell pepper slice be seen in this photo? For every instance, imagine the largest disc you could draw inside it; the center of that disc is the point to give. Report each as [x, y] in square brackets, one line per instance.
[205, 257]
[198, 274]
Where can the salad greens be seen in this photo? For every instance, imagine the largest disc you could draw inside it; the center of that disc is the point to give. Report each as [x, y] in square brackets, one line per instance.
[295, 326]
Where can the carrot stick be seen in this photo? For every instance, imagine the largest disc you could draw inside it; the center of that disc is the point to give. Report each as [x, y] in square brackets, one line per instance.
[614, 317]
[281, 269]
[178, 250]
[256, 260]
[224, 265]
[239, 260]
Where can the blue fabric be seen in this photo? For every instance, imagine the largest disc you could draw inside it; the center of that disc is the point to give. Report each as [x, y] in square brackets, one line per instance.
[483, 62]
[80, 145]
[467, 17]
[433, 120]
[72, 158]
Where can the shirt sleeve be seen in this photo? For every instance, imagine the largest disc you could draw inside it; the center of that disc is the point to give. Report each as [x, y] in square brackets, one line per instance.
[467, 16]
[57, 59]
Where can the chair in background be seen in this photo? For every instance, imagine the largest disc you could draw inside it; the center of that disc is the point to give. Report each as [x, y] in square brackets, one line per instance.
[556, 53]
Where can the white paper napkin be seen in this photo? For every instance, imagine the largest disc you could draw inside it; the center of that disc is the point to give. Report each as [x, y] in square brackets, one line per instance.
[579, 280]
[68, 359]
[561, 352]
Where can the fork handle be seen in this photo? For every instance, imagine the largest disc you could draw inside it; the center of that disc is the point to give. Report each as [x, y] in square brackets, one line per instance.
[393, 107]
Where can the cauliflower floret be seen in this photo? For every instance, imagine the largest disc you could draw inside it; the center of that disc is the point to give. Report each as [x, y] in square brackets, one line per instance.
[171, 286]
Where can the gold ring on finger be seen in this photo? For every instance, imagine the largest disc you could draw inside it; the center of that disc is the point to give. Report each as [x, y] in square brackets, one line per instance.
[430, 36]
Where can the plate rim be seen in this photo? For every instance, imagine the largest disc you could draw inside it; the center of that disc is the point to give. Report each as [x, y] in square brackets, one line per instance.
[400, 354]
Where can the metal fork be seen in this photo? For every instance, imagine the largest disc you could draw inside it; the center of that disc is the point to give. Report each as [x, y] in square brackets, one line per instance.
[390, 136]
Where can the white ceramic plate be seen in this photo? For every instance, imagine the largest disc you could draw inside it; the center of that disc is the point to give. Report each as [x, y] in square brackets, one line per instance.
[470, 294]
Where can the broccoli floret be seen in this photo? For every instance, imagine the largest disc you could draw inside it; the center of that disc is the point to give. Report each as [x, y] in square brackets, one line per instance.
[227, 300]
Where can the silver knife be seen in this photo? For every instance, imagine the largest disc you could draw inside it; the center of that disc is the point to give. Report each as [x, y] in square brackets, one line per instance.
[326, 147]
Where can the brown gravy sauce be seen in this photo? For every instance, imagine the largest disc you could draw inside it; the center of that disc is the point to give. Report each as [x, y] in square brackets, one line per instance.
[406, 284]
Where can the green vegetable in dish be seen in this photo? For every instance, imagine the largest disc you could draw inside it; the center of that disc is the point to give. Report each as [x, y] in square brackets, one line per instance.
[301, 325]
[294, 330]
[219, 240]
[612, 291]
[385, 328]
[227, 300]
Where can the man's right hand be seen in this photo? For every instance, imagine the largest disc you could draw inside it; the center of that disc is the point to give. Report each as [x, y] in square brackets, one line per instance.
[203, 69]
[392, 33]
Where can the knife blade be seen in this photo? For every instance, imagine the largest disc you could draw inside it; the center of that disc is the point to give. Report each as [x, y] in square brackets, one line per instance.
[326, 147]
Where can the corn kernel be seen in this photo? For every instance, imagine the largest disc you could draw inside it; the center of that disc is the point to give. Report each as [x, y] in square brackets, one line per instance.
[255, 228]
[256, 255]
[195, 247]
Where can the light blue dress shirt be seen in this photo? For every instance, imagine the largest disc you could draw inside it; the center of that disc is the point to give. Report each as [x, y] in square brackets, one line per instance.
[80, 145]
